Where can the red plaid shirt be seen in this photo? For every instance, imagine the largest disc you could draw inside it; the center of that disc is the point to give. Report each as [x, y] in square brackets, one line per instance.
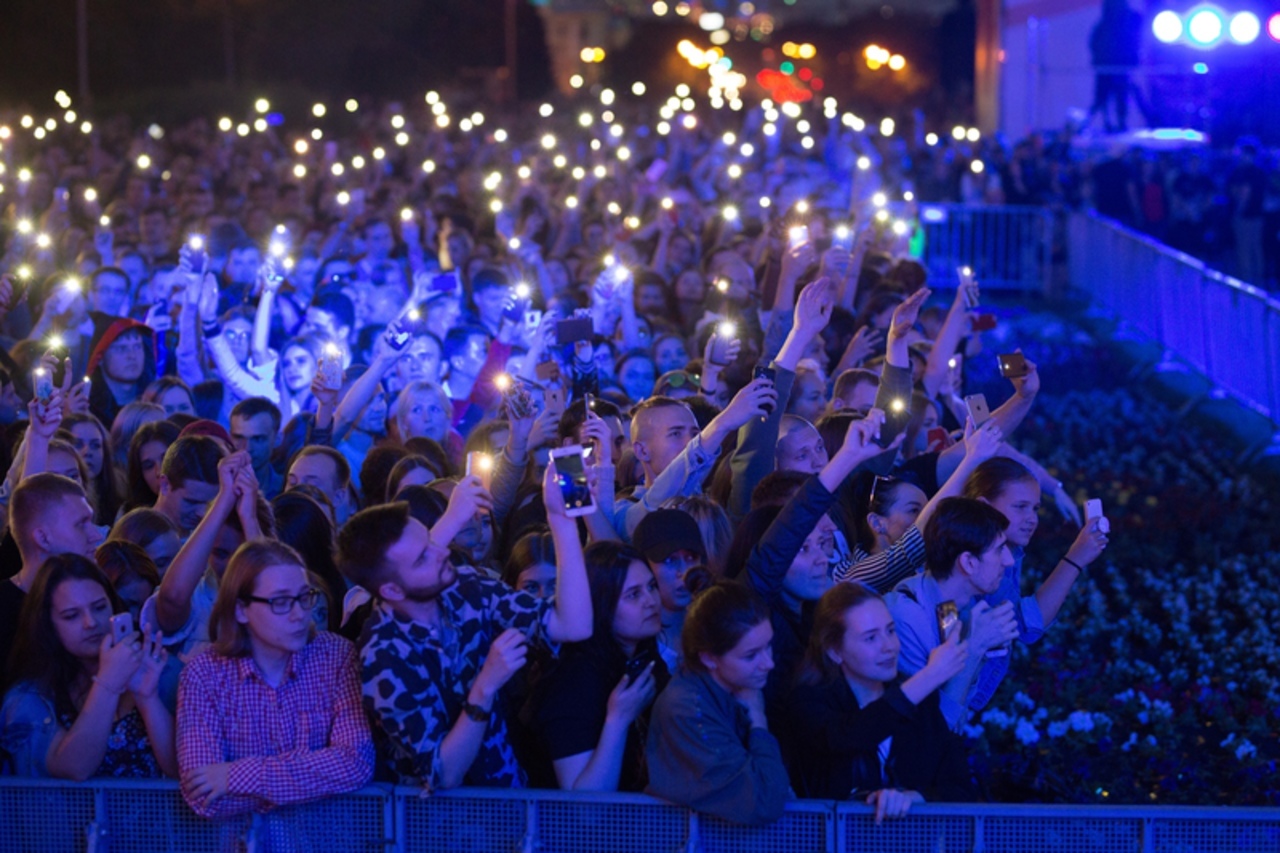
[306, 739]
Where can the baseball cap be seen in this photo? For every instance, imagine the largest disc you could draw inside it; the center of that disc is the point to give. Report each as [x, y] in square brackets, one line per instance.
[663, 532]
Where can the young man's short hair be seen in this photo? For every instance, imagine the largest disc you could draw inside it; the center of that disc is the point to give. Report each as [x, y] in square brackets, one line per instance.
[640, 414]
[364, 540]
[456, 339]
[192, 457]
[850, 379]
[338, 304]
[960, 526]
[251, 407]
[36, 495]
[340, 464]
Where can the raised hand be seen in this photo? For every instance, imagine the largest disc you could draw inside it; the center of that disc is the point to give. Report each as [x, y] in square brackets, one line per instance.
[981, 444]
[755, 400]
[813, 308]
[906, 314]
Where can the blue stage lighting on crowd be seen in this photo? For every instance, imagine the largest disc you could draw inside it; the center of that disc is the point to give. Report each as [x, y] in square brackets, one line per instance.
[1205, 27]
[1167, 27]
[1244, 28]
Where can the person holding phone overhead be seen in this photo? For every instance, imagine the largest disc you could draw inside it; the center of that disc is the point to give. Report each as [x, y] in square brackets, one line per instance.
[442, 640]
[85, 699]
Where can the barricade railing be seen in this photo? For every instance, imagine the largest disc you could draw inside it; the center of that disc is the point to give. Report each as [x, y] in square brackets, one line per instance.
[105, 816]
[1225, 329]
[1008, 247]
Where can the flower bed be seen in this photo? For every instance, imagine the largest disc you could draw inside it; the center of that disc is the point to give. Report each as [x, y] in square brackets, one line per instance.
[1160, 681]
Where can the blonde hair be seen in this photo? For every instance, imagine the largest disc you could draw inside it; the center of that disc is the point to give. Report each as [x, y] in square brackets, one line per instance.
[230, 638]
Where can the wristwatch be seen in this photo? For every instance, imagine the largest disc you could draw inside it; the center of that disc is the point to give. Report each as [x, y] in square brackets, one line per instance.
[475, 712]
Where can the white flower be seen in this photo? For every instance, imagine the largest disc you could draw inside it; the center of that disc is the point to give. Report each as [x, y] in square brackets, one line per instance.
[1129, 744]
[998, 718]
[1058, 729]
[1023, 699]
[1246, 750]
[1228, 740]
[1026, 733]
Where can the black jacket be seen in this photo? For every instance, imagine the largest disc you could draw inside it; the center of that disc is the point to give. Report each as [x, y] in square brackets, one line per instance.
[835, 753]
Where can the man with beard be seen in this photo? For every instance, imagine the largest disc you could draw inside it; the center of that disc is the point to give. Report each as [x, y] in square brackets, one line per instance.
[442, 640]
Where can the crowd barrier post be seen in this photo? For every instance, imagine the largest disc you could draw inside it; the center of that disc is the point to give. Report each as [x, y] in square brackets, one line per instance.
[113, 816]
[1223, 328]
[1008, 247]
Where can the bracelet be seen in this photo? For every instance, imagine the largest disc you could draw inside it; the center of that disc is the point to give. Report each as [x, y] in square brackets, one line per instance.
[1070, 562]
[107, 687]
[212, 329]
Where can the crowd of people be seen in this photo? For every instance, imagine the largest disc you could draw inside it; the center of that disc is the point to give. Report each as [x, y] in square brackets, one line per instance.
[579, 453]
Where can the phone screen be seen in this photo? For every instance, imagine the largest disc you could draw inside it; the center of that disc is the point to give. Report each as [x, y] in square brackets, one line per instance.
[445, 282]
[573, 330]
[572, 473]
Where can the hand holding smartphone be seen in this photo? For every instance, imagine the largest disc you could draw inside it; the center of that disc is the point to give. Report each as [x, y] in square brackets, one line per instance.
[762, 372]
[1093, 510]
[979, 411]
[571, 474]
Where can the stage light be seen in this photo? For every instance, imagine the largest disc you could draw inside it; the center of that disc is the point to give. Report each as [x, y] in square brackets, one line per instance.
[1205, 27]
[1167, 27]
[1244, 28]
[1273, 27]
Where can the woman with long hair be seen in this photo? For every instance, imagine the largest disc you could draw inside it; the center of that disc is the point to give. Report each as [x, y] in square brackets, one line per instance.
[82, 703]
[142, 465]
[89, 438]
[269, 670]
[129, 420]
[303, 524]
[869, 734]
[153, 532]
[590, 712]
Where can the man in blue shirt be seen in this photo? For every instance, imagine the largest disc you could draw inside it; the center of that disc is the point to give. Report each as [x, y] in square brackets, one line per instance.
[967, 558]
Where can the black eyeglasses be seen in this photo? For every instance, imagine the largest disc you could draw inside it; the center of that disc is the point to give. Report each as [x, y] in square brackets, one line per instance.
[283, 604]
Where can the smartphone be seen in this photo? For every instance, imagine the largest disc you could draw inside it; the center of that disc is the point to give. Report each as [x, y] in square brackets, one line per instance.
[1013, 365]
[938, 436]
[42, 384]
[979, 411]
[966, 274]
[762, 372]
[554, 396]
[721, 339]
[948, 619]
[573, 330]
[571, 472]
[636, 665]
[798, 235]
[532, 320]
[515, 394]
[445, 282]
[842, 237]
[656, 170]
[329, 367]
[196, 252]
[1093, 510]
[480, 465]
[121, 627]
[984, 322]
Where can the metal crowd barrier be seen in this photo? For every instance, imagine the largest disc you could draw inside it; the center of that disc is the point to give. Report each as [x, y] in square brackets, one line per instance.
[1225, 329]
[45, 816]
[1008, 247]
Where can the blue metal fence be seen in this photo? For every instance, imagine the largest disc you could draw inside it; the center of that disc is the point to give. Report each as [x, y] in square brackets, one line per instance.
[1224, 328]
[1008, 247]
[44, 816]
